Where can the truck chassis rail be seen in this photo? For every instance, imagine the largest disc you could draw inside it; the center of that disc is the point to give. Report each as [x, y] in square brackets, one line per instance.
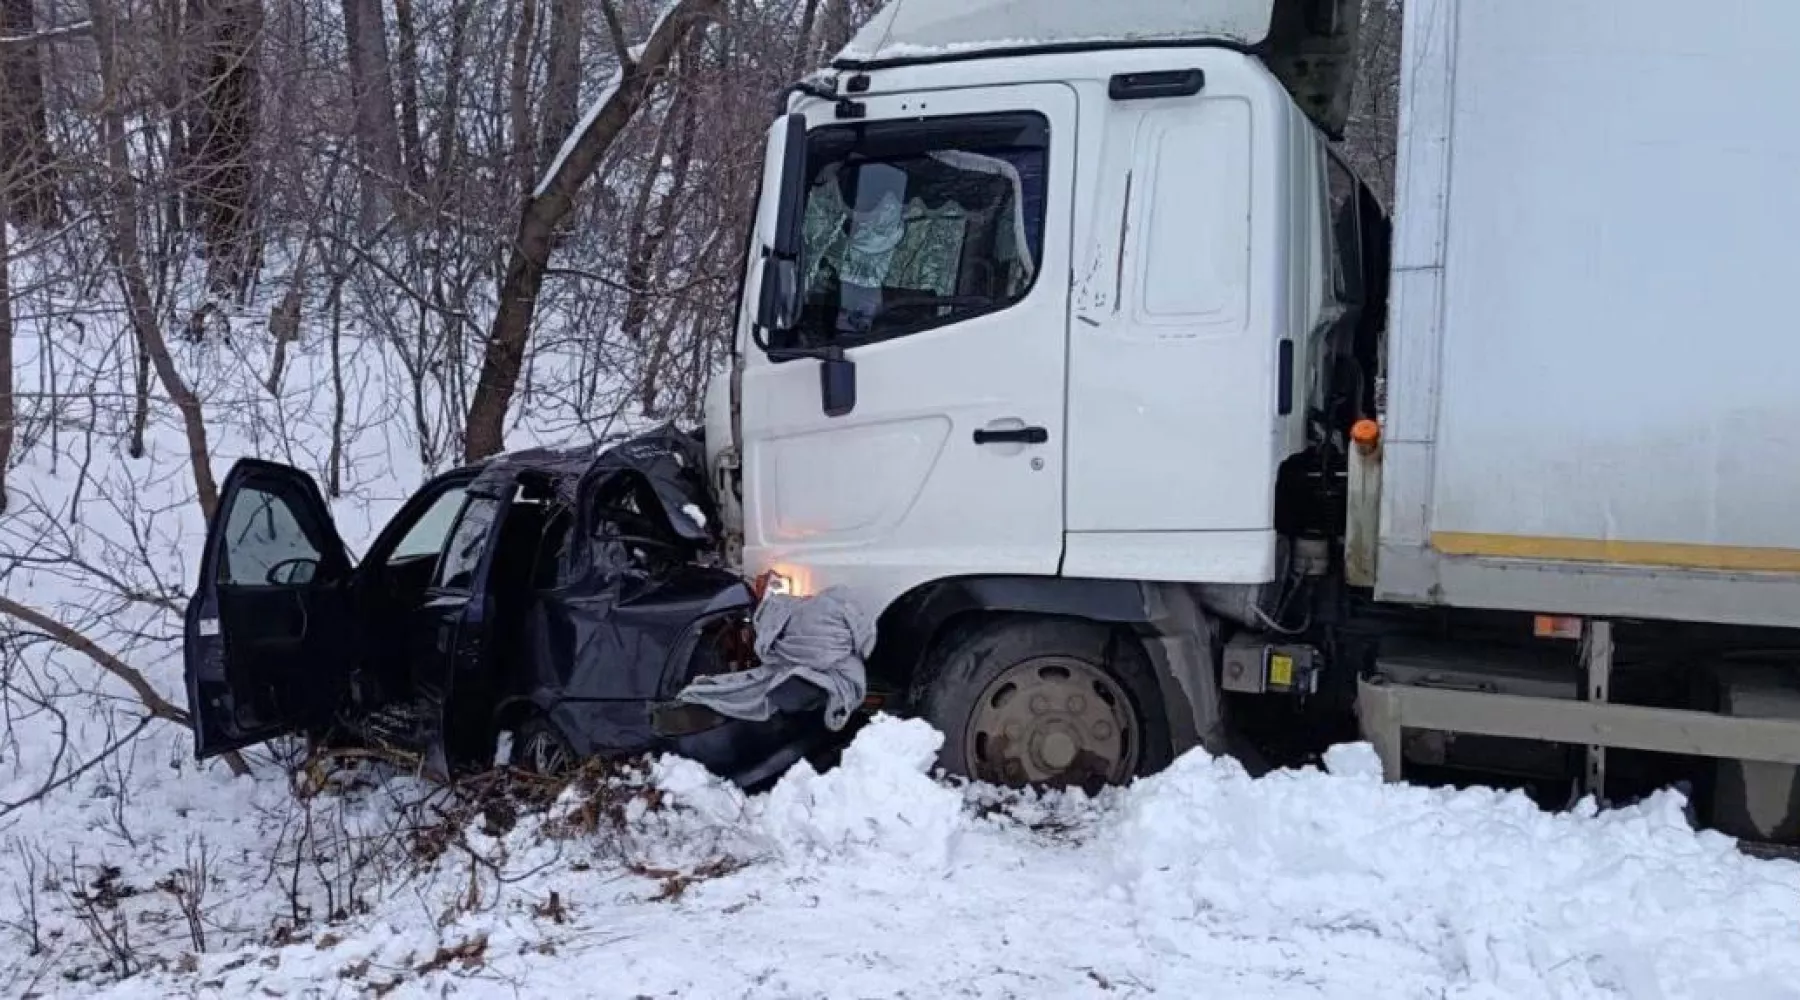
[1386, 709]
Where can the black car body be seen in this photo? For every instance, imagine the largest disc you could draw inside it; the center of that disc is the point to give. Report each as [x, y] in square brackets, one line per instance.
[572, 591]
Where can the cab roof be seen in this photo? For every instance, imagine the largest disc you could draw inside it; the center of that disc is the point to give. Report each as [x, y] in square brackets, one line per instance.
[1310, 45]
[912, 29]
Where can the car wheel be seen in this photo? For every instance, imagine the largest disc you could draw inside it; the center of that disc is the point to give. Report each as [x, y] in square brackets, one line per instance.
[541, 749]
[1045, 702]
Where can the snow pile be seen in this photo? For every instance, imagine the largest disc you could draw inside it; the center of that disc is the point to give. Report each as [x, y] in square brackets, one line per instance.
[879, 805]
[1407, 891]
[875, 880]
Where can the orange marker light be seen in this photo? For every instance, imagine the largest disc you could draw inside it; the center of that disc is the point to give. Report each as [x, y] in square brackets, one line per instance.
[1556, 627]
[1366, 434]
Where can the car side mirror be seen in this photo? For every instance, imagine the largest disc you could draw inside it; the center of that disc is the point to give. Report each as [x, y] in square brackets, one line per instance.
[292, 573]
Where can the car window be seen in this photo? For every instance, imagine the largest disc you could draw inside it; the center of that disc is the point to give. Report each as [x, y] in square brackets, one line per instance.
[261, 534]
[462, 557]
[427, 535]
[914, 225]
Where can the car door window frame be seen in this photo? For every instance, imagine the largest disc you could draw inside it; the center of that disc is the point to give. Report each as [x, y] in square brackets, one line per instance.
[236, 537]
[334, 562]
[453, 497]
[381, 552]
[494, 507]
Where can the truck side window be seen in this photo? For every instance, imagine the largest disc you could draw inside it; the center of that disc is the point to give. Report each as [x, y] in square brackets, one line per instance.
[911, 225]
[462, 557]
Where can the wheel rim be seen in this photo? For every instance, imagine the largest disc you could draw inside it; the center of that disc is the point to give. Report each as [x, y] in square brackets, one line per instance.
[545, 754]
[1055, 721]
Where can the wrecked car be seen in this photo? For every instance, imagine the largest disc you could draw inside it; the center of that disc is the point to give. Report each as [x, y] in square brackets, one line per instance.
[564, 597]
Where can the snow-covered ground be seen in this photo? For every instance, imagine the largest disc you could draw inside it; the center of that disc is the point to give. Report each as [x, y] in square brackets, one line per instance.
[872, 880]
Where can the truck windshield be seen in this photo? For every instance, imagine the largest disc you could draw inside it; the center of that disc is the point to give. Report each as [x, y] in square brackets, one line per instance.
[916, 224]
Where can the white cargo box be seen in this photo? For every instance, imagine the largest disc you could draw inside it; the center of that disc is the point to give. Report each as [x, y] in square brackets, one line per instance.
[1594, 357]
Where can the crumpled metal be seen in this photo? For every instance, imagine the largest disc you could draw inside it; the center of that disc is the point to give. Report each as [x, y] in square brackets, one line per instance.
[824, 640]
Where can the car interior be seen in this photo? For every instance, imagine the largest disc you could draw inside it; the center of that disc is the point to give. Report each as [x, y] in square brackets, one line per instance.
[526, 560]
[391, 585]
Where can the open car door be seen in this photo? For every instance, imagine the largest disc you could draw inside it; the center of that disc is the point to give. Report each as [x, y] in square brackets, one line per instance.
[268, 631]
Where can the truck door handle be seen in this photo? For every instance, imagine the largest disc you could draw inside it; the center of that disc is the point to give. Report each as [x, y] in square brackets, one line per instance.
[1013, 435]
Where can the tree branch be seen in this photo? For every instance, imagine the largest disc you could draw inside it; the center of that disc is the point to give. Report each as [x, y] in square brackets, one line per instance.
[546, 211]
[79, 29]
[615, 28]
[153, 702]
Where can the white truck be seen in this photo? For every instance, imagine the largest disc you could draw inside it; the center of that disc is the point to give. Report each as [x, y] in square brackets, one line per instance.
[1070, 348]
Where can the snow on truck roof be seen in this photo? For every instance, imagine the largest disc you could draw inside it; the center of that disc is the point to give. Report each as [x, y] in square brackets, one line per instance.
[926, 29]
[1310, 45]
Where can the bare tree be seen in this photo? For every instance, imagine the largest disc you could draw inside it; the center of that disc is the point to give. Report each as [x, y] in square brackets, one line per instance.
[8, 408]
[228, 108]
[26, 164]
[562, 91]
[840, 21]
[550, 205]
[518, 93]
[408, 69]
[123, 209]
[372, 94]
[652, 230]
[1373, 130]
[803, 39]
[455, 66]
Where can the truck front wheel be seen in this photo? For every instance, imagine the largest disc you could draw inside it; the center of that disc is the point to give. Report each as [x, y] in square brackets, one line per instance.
[1044, 702]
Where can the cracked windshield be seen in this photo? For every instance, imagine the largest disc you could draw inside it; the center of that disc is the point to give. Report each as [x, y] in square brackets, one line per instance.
[924, 224]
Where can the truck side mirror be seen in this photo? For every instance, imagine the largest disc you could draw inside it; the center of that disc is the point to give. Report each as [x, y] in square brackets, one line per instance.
[778, 302]
[778, 305]
[792, 204]
[837, 383]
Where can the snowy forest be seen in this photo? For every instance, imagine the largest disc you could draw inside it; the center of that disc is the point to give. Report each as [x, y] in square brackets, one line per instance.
[396, 173]
[374, 239]
[369, 239]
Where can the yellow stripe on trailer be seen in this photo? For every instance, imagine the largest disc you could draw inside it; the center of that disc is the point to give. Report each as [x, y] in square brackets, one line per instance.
[1679, 555]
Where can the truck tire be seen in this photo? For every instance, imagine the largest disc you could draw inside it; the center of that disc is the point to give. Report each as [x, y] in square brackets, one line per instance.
[1046, 702]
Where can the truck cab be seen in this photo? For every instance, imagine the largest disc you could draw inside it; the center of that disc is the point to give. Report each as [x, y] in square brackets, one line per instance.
[1042, 331]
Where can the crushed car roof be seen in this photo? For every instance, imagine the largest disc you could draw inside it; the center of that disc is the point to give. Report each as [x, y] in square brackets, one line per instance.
[570, 460]
[667, 460]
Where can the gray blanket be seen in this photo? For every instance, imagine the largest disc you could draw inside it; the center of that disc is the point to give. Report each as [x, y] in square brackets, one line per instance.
[822, 640]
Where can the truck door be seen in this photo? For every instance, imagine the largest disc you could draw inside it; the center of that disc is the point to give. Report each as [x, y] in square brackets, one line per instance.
[267, 637]
[1188, 398]
[935, 235]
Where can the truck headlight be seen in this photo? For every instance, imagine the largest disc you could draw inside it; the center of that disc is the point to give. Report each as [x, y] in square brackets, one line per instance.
[789, 580]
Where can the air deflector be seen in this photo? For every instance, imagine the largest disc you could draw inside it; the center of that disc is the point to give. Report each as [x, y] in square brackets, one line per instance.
[1310, 45]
